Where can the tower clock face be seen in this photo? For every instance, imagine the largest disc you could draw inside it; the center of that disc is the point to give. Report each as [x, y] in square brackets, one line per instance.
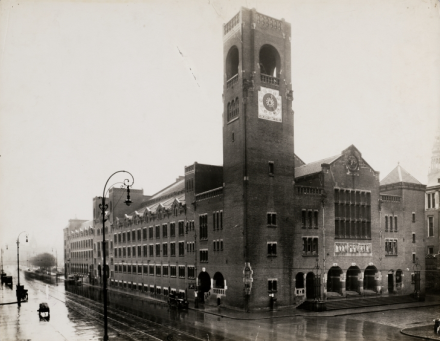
[269, 105]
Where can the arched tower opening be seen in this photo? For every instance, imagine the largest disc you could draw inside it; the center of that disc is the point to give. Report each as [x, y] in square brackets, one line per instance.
[232, 62]
[269, 61]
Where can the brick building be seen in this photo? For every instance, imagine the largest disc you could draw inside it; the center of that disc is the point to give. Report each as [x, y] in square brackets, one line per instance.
[265, 224]
[432, 218]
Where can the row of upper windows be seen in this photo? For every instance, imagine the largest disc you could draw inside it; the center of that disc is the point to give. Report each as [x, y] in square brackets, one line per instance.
[158, 270]
[154, 232]
[82, 244]
[152, 250]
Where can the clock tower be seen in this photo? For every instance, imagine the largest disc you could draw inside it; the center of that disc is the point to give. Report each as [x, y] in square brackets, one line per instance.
[258, 158]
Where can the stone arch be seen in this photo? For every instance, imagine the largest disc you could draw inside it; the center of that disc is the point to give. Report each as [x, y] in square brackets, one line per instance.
[310, 285]
[232, 62]
[352, 281]
[299, 280]
[334, 280]
[370, 278]
[219, 280]
[270, 61]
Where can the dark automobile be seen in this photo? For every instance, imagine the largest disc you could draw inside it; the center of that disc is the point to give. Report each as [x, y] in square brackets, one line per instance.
[178, 301]
[44, 311]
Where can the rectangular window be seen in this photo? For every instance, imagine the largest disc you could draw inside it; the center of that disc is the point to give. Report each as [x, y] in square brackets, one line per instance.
[271, 168]
[128, 236]
[123, 237]
[157, 231]
[414, 257]
[309, 220]
[165, 249]
[203, 225]
[395, 224]
[172, 229]
[413, 217]
[191, 272]
[433, 200]
[151, 270]
[133, 250]
[165, 270]
[221, 220]
[128, 251]
[386, 223]
[272, 249]
[413, 237]
[181, 249]
[391, 247]
[391, 224]
[115, 237]
[181, 272]
[139, 253]
[271, 219]
[203, 256]
[430, 226]
[181, 228]
[315, 219]
[173, 249]
[158, 268]
[150, 232]
[165, 230]
[172, 271]
[151, 247]
[139, 235]
[139, 267]
[144, 233]
[213, 220]
[133, 235]
[272, 285]
[157, 250]
[303, 218]
[429, 200]
[145, 253]
[430, 250]
[119, 237]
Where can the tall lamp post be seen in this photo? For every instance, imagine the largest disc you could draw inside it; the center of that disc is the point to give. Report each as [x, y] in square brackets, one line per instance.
[18, 292]
[103, 206]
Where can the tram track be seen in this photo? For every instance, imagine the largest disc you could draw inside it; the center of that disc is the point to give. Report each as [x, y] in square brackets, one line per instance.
[119, 320]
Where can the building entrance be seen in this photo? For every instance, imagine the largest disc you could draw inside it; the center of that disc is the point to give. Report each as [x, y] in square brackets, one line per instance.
[334, 280]
[352, 283]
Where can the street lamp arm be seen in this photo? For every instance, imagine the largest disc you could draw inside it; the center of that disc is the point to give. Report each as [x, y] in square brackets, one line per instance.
[126, 182]
[20, 235]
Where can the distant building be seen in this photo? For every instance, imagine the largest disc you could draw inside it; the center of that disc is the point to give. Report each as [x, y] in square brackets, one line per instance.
[265, 225]
[432, 218]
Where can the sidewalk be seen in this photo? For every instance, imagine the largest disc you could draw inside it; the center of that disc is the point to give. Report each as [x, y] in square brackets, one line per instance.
[221, 311]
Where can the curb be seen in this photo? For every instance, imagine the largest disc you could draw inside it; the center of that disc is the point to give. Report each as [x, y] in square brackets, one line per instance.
[403, 331]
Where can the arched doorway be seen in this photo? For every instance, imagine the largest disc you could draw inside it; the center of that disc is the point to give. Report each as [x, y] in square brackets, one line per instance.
[204, 285]
[219, 281]
[391, 281]
[352, 282]
[334, 280]
[399, 279]
[310, 285]
[370, 278]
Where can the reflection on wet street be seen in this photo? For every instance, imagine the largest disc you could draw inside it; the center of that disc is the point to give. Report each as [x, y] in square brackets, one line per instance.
[76, 314]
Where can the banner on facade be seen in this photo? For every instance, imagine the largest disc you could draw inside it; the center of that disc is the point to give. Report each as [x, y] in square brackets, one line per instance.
[353, 249]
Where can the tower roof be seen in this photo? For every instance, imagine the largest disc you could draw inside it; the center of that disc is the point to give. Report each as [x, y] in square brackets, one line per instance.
[399, 174]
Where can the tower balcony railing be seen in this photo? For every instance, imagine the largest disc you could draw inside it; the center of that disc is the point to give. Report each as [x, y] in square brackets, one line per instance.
[231, 81]
[269, 79]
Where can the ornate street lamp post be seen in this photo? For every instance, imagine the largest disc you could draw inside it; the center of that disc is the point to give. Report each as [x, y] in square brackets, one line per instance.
[103, 206]
[18, 292]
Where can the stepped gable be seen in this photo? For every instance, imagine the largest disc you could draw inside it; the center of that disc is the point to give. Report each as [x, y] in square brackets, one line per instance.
[399, 175]
[165, 198]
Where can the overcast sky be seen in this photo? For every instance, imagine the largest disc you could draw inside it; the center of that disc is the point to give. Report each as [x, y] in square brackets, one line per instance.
[91, 87]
